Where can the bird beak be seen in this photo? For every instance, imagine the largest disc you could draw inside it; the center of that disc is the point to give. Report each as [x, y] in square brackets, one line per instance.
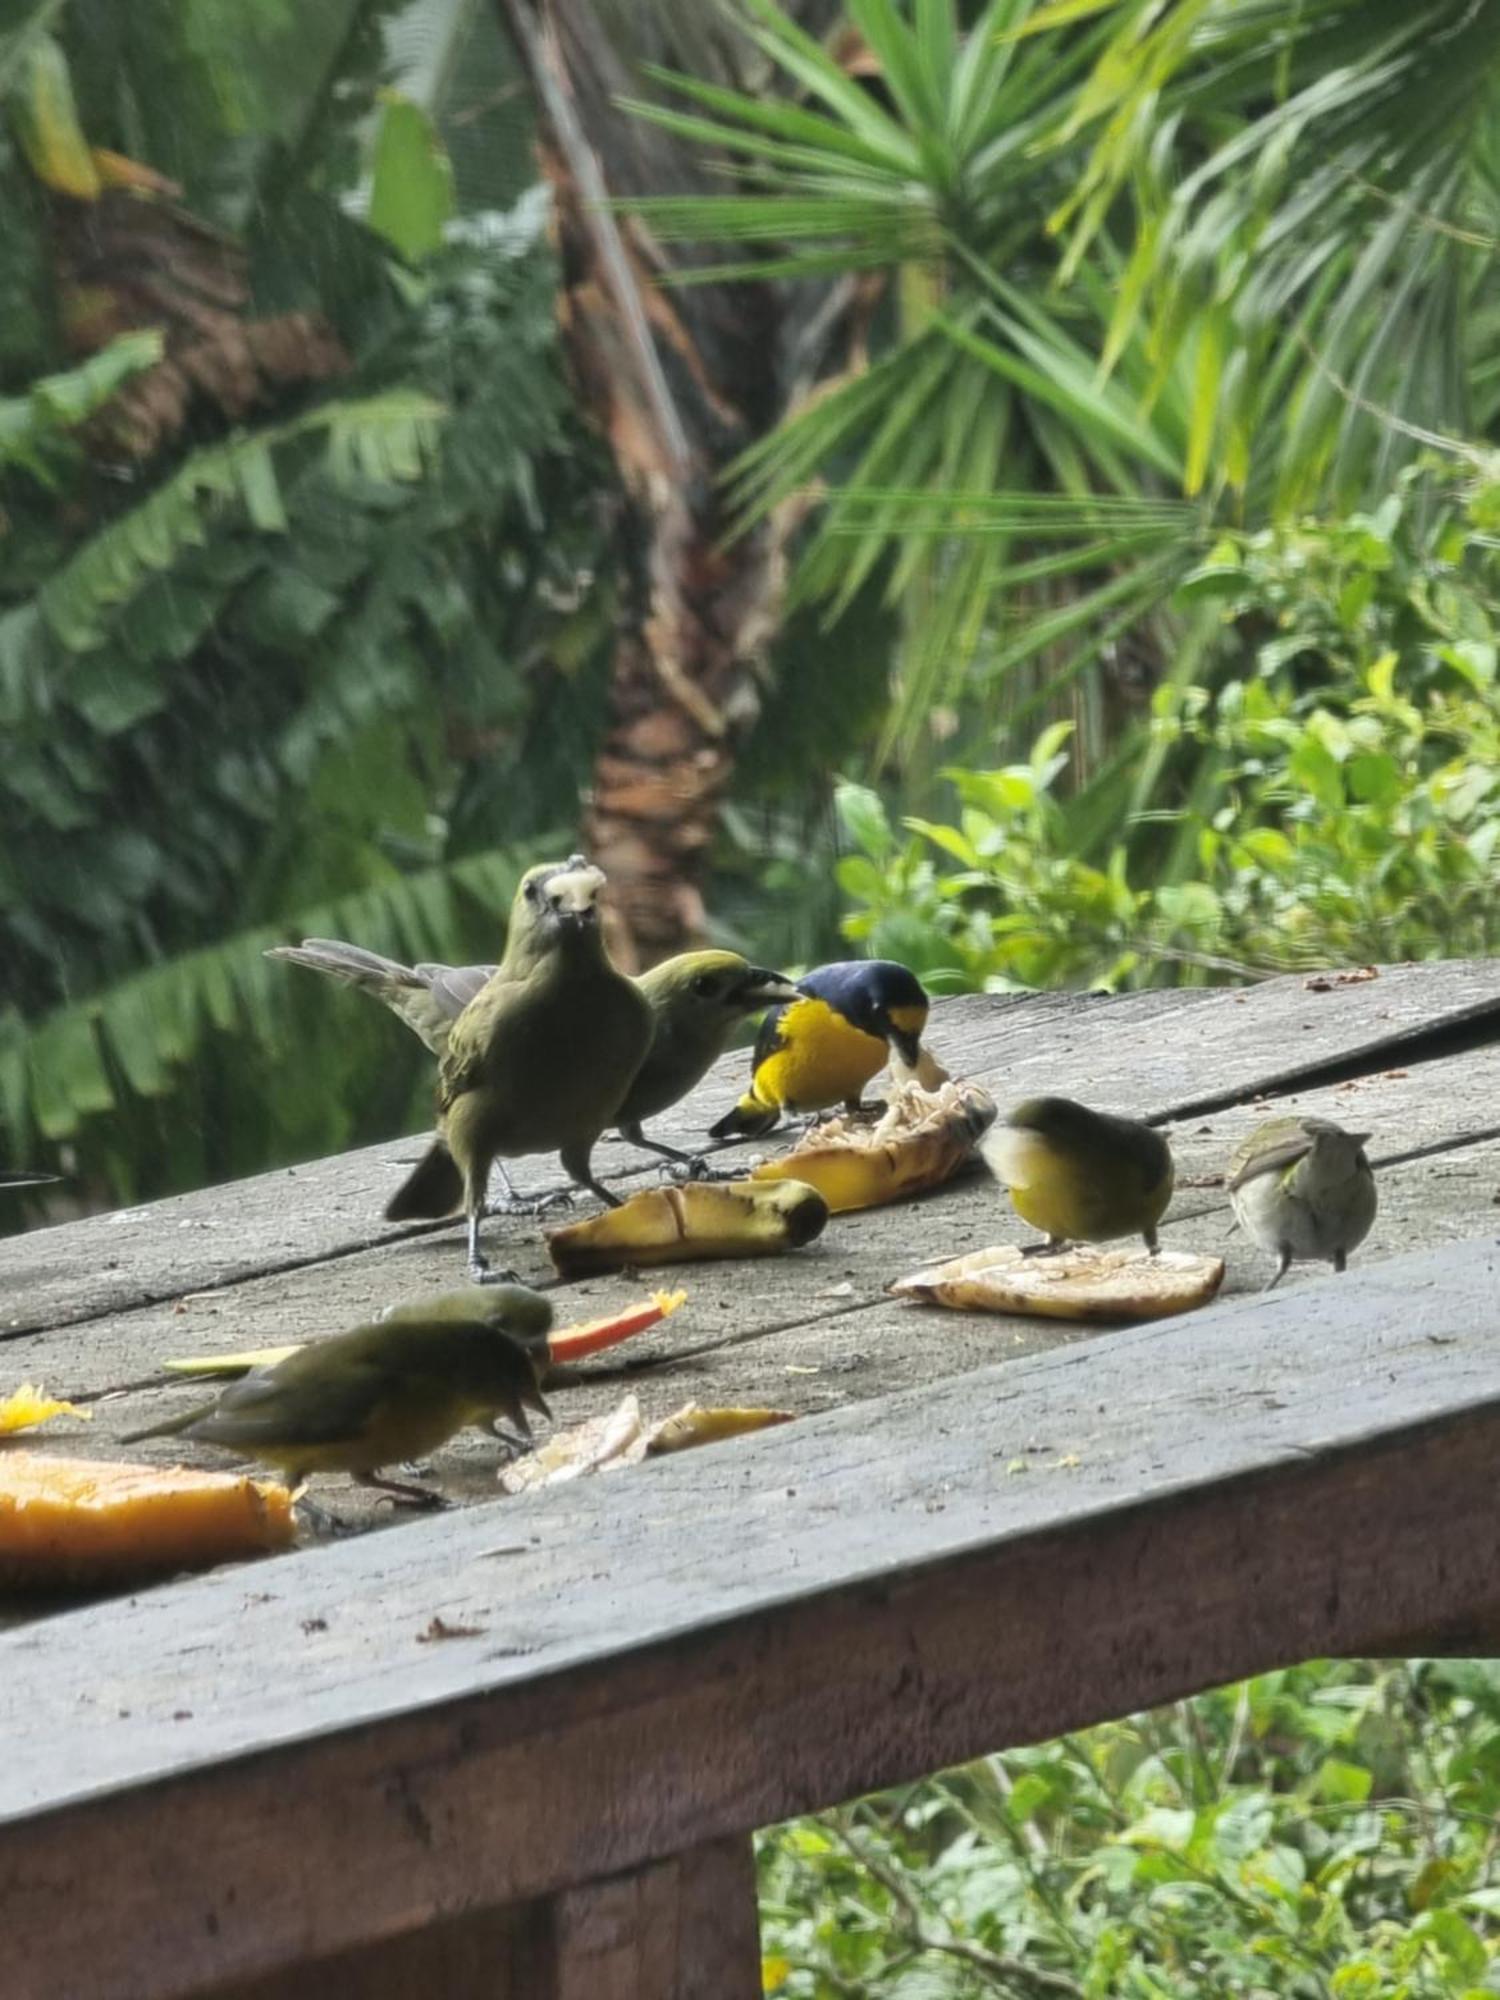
[574, 892]
[538, 1402]
[760, 988]
[908, 1046]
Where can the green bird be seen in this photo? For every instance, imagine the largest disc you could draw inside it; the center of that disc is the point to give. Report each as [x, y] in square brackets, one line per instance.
[697, 1001]
[540, 1060]
[1082, 1176]
[386, 1392]
[1303, 1188]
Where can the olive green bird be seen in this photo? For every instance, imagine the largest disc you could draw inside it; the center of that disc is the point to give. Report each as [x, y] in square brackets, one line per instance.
[1082, 1176]
[697, 1000]
[385, 1392]
[1303, 1188]
[540, 1060]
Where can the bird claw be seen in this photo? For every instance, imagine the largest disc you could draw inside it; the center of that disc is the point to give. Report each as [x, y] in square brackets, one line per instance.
[484, 1273]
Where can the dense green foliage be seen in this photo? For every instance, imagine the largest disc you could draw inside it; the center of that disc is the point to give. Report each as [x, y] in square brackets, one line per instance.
[1336, 771]
[330, 672]
[1327, 1830]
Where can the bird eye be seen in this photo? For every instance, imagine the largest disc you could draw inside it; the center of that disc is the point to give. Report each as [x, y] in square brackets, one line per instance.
[533, 892]
[704, 984]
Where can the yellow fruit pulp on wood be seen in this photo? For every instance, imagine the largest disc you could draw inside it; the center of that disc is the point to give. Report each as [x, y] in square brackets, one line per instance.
[69, 1521]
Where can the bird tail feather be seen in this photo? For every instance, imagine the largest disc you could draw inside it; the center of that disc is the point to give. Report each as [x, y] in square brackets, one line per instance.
[747, 1120]
[433, 1188]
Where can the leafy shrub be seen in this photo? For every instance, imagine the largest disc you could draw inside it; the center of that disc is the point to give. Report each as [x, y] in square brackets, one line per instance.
[1328, 1830]
[1331, 794]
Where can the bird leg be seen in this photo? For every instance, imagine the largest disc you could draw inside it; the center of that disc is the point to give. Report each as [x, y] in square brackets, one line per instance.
[480, 1268]
[1283, 1265]
[514, 1446]
[1050, 1246]
[679, 1165]
[400, 1494]
[512, 1203]
[576, 1164]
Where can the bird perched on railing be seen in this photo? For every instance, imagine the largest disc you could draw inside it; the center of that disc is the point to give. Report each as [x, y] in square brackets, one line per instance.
[1081, 1176]
[540, 1060]
[697, 1000]
[385, 1393]
[821, 1048]
[1303, 1188]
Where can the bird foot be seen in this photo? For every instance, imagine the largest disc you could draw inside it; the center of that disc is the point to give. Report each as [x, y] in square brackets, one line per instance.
[1050, 1246]
[529, 1208]
[483, 1272]
[696, 1169]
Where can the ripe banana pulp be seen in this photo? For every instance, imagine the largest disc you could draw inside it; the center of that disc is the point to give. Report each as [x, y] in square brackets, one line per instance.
[700, 1220]
[922, 1140]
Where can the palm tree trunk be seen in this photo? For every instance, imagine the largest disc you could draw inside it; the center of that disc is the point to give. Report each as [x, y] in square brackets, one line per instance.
[678, 383]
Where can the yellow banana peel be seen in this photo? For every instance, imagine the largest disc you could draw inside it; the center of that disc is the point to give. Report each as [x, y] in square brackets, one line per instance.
[922, 1140]
[702, 1220]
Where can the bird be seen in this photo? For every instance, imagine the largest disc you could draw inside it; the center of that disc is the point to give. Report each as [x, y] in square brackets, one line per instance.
[822, 1048]
[697, 999]
[1303, 1188]
[540, 1060]
[1080, 1175]
[385, 1392]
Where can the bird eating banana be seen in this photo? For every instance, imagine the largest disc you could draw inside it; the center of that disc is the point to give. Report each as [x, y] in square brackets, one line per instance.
[385, 1392]
[1303, 1188]
[540, 1060]
[821, 1048]
[1081, 1175]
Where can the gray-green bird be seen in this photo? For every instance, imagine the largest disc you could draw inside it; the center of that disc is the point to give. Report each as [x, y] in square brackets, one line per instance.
[1082, 1176]
[697, 1000]
[540, 1060]
[1303, 1188]
[385, 1392]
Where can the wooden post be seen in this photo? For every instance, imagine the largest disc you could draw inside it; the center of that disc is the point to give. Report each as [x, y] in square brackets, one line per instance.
[681, 1929]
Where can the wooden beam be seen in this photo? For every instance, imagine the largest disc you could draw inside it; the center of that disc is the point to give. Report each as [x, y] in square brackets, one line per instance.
[704, 1645]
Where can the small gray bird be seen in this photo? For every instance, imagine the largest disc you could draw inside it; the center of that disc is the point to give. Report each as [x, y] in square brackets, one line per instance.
[1303, 1188]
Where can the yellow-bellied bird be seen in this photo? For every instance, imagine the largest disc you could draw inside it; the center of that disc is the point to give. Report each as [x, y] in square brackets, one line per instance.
[1082, 1176]
[1303, 1188]
[697, 1001]
[822, 1048]
[540, 1060]
[385, 1392]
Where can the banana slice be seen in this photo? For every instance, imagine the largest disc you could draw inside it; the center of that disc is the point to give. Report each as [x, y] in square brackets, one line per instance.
[701, 1220]
[922, 1140]
[1081, 1284]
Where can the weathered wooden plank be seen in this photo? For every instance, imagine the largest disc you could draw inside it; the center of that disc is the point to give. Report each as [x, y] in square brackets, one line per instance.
[684, 1928]
[500, 1954]
[1156, 1054]
[725, 1639]
[807, 1333]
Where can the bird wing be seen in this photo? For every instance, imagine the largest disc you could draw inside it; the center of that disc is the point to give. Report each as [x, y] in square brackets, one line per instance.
[454, 986]
[261, 1410]
[472, 1036]
[770, 1038]
[1273, 1158]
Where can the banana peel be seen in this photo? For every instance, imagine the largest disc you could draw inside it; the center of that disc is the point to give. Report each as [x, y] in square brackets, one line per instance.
[698, 1221]
[922, 1140]
[1084, 1284]
[621, 1436]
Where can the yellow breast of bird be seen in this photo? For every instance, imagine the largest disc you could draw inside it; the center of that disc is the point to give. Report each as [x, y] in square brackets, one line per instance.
[820, 1059]
[1072, 1195]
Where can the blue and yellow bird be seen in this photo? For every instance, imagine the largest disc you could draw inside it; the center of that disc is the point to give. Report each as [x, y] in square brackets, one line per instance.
[822, 1048]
